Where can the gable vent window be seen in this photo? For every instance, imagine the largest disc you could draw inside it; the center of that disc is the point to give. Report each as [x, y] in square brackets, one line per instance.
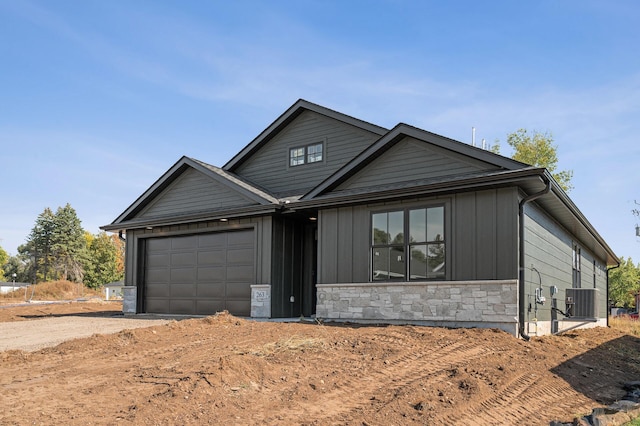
[305, 154]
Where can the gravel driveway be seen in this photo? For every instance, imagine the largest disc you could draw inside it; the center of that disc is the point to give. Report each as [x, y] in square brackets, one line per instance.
[37, 334]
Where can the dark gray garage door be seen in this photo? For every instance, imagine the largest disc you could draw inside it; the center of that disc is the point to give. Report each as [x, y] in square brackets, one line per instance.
[200, 274]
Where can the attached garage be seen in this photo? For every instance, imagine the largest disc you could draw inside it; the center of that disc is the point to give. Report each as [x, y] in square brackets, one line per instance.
[200, 274]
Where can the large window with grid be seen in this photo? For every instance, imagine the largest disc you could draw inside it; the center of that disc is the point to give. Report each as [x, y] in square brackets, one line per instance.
[408, 244]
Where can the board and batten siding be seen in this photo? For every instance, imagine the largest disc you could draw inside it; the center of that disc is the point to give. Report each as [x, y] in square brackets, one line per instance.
[269, 166]
[481, 237]
[410, 160]
[193, 191]
[549, 249]
[134, 255]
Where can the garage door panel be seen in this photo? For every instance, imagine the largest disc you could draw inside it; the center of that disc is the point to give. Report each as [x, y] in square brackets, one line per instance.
[183, 290]
[238, 290]
[240, 238]
[184, 259]
[180, 306]
[158, 260]
[240, 273]
[213, 240]
[159, 290]
[158, 275]
[157, 244]
[210, 306]
[212, 290]
[212, 257]
[200, 274]
[158, 306]
[183, 274]
[240, 256]
[189, 242]
[212, 273]
[239, 307]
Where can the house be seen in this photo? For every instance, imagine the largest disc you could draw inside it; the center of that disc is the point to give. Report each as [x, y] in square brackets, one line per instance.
[325, 214]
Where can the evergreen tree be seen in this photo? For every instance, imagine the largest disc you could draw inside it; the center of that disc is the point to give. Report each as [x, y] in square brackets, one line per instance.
[69, 245]
[39, 244]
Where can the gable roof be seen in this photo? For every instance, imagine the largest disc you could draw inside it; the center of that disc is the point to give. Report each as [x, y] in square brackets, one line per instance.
[222, 177]
[287, 117]
[398, 133]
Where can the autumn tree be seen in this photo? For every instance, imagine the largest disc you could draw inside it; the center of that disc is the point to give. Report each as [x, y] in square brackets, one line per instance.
[104, 263]
[624, 283]
[537, 149]
[3, 260]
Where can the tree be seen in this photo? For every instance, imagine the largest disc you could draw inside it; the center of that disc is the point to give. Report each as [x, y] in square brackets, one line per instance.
[16, 265]
[69, 244]
[39, 243]
[3, 260]
[104, 260]
[537, 149]
[624, 283]
[56, 245]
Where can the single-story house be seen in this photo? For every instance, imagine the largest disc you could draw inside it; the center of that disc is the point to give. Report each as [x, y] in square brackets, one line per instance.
[328, 215]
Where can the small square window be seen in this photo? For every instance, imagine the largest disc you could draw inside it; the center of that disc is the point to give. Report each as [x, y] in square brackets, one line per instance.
[314, 153]
[296, 156]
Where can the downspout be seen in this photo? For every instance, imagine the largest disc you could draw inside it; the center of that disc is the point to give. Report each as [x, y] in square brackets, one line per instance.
[521, 295]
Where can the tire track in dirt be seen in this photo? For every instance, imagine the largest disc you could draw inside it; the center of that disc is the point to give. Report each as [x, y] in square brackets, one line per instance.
[518, 402]
[398, 372]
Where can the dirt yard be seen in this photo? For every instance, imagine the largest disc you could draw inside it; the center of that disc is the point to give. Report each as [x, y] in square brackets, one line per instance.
[226, 370]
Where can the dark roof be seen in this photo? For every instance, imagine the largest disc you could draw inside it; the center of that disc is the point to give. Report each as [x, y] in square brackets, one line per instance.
[228, 179]
[398, 133]
[289, 115]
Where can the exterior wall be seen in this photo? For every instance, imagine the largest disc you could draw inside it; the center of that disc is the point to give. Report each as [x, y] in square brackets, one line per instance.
[481, 237]
[134, 257]
[447, 303]
[269, 167]
[549, 249]
[193, 191]
[409, 160]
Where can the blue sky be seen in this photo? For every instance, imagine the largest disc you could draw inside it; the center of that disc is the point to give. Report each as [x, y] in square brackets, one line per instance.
[99, 98]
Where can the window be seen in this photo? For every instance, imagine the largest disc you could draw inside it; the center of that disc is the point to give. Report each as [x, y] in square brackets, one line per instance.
[577, 256]
[305, 154]
[420, 256]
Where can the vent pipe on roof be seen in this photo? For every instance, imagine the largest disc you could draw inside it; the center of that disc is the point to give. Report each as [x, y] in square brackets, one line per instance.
[473, 136]
[484, 144]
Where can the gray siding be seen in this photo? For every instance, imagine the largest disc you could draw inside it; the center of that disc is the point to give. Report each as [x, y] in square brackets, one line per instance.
[481, 237]
[193, 191]
[549, 249]
[485, 235]
[409, 160]
[134, 264]
[269, 167]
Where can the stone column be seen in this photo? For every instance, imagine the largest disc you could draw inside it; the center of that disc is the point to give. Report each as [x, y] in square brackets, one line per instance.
[261, 301]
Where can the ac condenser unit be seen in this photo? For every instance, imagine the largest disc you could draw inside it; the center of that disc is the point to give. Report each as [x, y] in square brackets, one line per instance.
[584, 300]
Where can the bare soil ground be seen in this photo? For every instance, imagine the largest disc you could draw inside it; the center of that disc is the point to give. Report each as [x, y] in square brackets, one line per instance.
[226, 370]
